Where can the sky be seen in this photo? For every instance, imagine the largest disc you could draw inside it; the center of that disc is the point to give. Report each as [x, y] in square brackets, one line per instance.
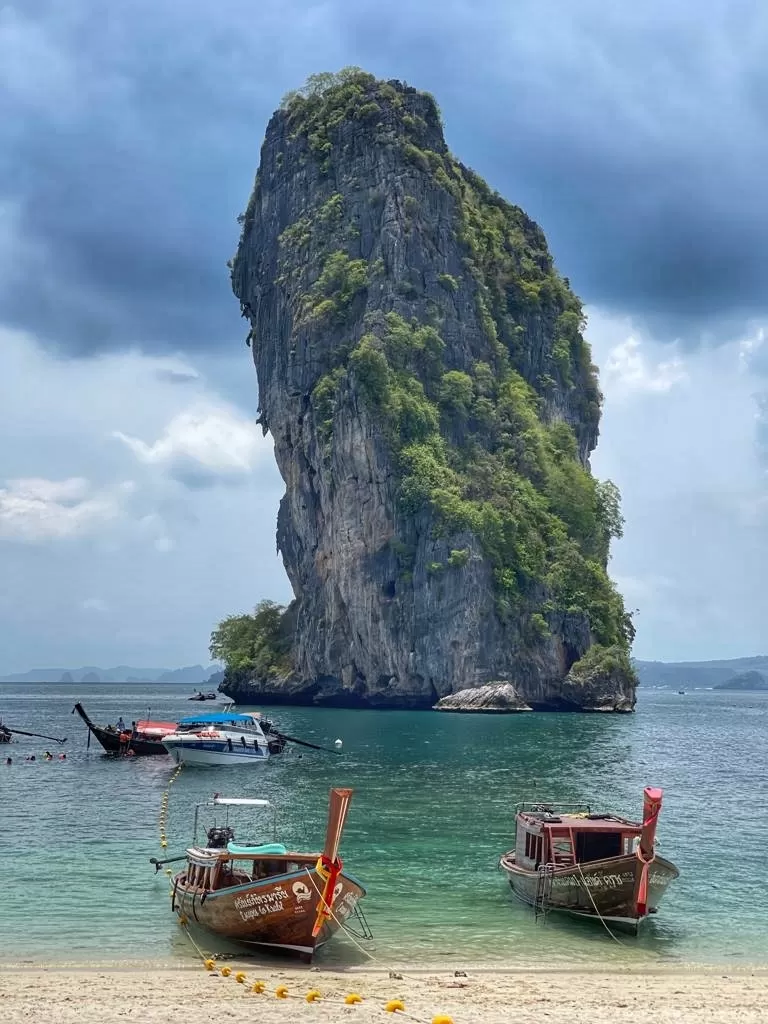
[137, 496]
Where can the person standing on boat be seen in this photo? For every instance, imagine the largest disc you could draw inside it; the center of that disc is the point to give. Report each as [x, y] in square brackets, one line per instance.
[120, 724]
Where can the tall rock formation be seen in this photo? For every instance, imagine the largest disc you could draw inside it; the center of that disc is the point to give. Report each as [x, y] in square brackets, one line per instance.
[433, 406]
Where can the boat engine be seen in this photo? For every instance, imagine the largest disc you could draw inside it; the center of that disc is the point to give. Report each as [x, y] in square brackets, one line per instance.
[219, 837]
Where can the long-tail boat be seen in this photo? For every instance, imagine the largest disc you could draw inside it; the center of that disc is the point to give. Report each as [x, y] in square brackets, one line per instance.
[597, 866]
[265, 894]
[143, 737]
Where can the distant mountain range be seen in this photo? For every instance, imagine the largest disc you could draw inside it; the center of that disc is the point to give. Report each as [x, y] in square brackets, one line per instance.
[193, 675]
[681, 675]
[676, 675]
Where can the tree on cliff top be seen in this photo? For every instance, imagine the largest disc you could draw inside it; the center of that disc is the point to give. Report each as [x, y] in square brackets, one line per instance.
[254, 643]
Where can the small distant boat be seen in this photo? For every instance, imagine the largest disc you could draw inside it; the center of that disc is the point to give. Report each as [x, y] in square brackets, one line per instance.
[143, 737]
[681, 692]
[597, 866]
[203, 696]
[6, 736]
[223, 737]
[266, 895]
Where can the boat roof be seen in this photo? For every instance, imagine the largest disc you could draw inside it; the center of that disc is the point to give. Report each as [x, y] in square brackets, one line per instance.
[240, 801]
[580, 821]
[216, 718]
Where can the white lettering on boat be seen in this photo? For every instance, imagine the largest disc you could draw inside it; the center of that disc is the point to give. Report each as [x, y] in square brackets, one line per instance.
[259, 904]
[604, 881]
[346, 905]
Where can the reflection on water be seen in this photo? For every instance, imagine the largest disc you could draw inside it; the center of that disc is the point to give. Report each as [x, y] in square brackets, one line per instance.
[433, 809]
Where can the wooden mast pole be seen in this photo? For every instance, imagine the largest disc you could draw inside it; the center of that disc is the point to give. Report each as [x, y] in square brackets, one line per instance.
[329, 865]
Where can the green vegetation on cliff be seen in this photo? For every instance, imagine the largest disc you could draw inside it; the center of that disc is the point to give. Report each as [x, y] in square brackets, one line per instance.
[477, 445]
[258, 644]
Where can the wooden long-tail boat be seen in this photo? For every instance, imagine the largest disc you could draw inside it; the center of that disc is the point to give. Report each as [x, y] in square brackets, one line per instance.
[143, 737]
[266, 895]
[597, 866]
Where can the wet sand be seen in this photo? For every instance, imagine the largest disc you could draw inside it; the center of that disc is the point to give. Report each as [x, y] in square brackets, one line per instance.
[152, 995]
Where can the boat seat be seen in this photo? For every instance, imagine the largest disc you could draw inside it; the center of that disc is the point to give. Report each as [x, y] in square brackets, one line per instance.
[258, 851]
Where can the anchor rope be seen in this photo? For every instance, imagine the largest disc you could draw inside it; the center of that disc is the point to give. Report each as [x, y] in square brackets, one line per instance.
[602, 920]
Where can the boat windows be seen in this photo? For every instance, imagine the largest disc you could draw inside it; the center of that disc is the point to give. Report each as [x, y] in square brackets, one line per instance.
[597, 845]
[534, 847]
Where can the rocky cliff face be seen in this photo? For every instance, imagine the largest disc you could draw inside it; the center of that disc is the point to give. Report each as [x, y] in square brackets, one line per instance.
[433, 407]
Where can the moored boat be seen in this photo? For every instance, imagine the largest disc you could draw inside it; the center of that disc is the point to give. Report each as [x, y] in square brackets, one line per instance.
[143, 737]
[599, 866]
[264, 894]
[223, 737]
[202, 696]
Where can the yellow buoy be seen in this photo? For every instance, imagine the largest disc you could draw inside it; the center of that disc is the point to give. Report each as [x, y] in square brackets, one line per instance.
[395, 1005]
[352, 998]
[281, 992]
[313, 995]
[240, 977]
[258, 987]
[226, 971]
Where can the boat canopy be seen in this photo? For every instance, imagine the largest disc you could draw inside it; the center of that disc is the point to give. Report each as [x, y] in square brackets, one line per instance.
[216, 718]
[240, 801]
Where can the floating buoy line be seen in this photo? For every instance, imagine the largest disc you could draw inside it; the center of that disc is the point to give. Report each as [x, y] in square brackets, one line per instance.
[258, 987]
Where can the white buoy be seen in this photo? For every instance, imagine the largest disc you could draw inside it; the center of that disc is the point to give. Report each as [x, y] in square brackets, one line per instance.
[338, 744]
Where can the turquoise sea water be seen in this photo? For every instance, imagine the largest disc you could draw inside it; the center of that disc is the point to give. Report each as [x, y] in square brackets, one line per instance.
[432, 811]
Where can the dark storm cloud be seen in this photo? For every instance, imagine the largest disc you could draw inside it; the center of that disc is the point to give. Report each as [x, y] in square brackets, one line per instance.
[129, 136]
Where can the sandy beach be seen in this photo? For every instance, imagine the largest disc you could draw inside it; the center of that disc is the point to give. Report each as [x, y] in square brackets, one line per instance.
[178, 996]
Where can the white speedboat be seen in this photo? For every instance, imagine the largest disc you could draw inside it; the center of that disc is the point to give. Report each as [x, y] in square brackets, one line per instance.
[223, 737]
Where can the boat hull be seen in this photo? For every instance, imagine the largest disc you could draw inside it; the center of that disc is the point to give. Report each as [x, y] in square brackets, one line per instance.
[604, 889]
[214, 753]
[109, 739]
[277, 913]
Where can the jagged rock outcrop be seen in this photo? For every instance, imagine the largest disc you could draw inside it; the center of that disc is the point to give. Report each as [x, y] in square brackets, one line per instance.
[493, 698]
[433, 406]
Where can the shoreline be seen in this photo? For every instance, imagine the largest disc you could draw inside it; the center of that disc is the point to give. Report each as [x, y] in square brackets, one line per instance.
[11, 966]
[95, 995]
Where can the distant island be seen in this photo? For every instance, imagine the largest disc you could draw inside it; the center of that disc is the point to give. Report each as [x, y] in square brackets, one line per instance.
[193, 675]
[745, 682]
[736, 674]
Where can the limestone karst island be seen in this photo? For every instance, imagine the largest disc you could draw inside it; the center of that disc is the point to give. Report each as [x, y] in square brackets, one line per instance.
[423, 373]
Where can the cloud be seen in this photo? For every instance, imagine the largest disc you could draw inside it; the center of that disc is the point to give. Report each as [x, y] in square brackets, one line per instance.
[35, 510]
[83, 520]
[634, 135]
[627, 369]
[202, 446]
[689, 463]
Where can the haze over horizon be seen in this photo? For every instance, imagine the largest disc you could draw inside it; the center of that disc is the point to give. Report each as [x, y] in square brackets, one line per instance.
[138, 498]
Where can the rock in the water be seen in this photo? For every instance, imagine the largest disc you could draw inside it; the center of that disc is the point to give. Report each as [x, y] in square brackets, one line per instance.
[494, 698]
[433, 406]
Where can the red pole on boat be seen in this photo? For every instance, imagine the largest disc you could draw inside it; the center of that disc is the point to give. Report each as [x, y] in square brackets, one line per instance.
[646, 850]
